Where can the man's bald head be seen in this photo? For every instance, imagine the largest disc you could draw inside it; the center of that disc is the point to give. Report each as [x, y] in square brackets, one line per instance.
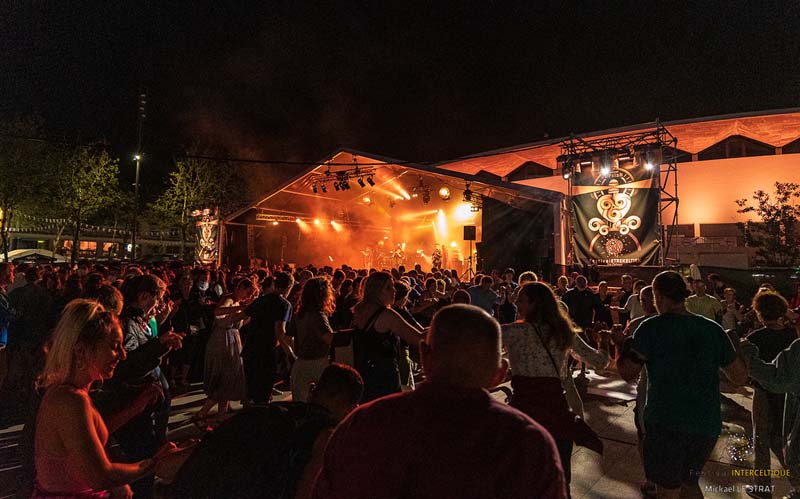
[463, 348]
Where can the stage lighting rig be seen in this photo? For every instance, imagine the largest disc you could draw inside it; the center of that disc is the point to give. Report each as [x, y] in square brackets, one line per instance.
[341, 179]
[467, 194]
[323, 187]
[314, 188]
[444, 193]
[422, 190]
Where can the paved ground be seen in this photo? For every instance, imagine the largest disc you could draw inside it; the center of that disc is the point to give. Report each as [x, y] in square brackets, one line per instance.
[609, 410]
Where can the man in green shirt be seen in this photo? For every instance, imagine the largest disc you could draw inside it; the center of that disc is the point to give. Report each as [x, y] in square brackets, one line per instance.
[683, 353]
[702, 304]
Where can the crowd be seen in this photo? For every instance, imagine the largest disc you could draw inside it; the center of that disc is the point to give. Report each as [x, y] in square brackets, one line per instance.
[98, 352]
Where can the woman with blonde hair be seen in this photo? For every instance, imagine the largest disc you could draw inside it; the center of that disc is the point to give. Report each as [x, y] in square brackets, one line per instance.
[312, 335]
[376, 350]
[70, 458]
[538, 348]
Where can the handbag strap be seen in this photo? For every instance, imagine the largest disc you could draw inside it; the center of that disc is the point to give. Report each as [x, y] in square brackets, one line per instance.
[549, 355]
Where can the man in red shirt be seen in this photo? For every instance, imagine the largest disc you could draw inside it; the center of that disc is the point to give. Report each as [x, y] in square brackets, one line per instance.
[449, 438]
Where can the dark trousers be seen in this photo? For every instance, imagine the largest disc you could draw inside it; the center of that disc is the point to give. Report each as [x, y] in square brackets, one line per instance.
[259, 375]
[565, 453]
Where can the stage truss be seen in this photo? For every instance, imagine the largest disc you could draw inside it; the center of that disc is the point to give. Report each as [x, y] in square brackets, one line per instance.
[658, 145]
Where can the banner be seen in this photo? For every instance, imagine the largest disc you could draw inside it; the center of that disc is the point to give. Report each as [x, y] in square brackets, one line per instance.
[615, 216]
[206, 248]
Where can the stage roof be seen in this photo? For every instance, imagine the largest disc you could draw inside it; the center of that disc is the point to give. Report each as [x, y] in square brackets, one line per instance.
[395, 181]
[775, 128]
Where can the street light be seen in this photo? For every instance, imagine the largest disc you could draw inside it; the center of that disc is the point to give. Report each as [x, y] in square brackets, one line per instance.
[138, 158]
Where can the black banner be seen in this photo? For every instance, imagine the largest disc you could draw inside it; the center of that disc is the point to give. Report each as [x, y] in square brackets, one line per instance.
[615, 216]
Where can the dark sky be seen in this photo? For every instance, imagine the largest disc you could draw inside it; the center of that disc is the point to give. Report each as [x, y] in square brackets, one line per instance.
[420, 81]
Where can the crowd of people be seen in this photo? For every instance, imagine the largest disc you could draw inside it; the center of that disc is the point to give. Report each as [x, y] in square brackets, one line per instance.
[388, 373]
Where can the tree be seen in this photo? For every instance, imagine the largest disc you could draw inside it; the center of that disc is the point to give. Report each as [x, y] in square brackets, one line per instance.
[85, 182]
[22, 158]
[776, 233]
[195, 184]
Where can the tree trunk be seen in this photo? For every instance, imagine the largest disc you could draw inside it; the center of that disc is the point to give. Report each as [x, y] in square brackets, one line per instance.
[183, 241]
[4, 232]
[58, 239]
[76, 240]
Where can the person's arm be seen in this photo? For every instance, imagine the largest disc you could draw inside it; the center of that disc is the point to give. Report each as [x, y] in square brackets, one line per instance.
[78, 433]
[326, 332]
[390, 320]
[151, 394]
[636, 350]
[142, 360]
[285, 341]
[227, 315]
[782, 375]
[735, 370]
[585, 353]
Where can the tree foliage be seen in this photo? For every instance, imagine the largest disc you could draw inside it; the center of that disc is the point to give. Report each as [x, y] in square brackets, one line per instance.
[85, 183]
[21, 160]
[776, 233]
[195, 184]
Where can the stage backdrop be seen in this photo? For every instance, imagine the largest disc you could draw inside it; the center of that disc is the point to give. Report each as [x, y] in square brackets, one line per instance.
[615, 217]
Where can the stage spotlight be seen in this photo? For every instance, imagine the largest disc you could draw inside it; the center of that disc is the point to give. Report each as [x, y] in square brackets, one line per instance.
[345, 185]
[366, 199]
[370, 181]
[316, 221]
[648, 166]
[322, 186]
[566, 172]
[444, 193]
[605, 170]
[336, 186]
[314, 188]
[463, 212]
[297, 220]
[275, 223]
[426, 197]
[467, 194]
[361, 182]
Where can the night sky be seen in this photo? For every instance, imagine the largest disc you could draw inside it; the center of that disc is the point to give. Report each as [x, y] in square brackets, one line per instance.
[421, 81]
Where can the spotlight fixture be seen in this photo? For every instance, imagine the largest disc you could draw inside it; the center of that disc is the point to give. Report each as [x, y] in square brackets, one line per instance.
[371, 181]
[314, 188]
[322, 186]
[361, 182]
[566, 173]
[426, 197]
[605, 170]
[467, 194]
[444, 193]
[275, 223]
[648, 166]
[336, 186]
[345, 185]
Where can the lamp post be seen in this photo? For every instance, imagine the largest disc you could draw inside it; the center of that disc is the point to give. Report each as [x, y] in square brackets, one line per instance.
[138, 158]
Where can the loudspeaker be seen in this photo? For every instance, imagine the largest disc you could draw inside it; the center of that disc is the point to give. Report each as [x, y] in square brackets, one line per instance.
[470, 233]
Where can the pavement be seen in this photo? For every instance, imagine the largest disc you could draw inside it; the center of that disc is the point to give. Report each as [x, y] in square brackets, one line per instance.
[608, 409]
